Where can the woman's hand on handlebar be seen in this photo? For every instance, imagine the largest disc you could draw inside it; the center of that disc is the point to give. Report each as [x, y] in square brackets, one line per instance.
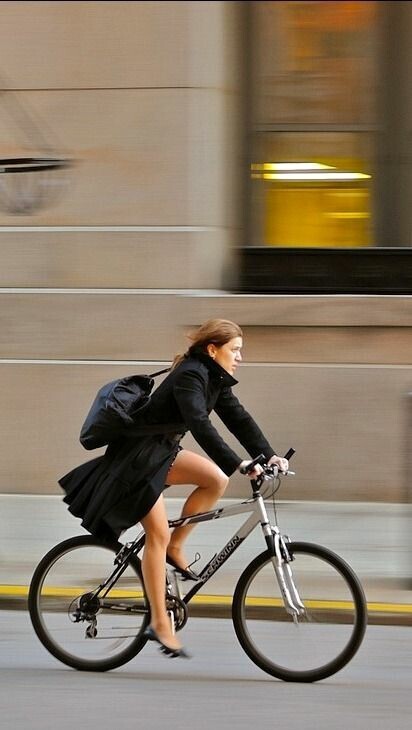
[280, 462]
[255, 467]
[254, 473]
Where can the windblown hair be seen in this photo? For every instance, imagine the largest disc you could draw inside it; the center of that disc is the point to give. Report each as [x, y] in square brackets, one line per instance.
[215, 331]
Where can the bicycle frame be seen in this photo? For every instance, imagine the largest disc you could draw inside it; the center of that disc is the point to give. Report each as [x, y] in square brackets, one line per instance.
[256, 507]
[276, 544]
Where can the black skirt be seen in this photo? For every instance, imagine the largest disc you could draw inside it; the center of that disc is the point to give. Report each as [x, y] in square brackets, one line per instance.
[113, 492]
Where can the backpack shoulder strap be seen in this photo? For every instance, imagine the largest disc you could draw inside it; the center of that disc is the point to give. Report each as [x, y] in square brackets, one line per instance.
[159, 372]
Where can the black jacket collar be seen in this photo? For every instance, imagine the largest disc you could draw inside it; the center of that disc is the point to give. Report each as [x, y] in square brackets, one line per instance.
[216, 371]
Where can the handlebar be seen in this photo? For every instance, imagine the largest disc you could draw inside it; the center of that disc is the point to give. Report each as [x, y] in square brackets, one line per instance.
[261, 459]
[269, 471]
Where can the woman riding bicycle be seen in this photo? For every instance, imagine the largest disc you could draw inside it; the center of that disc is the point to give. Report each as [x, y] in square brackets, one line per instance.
[125, 486]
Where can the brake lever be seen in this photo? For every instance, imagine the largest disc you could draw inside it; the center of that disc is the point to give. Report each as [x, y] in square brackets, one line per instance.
[273, 471]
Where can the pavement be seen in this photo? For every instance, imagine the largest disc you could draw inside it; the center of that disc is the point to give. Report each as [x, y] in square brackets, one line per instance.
[374, 538]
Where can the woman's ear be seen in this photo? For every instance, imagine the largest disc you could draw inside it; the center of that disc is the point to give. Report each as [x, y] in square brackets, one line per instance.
[211, 350]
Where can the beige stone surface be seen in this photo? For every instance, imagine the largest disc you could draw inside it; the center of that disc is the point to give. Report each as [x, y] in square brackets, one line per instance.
[157, 44]
[134, 325]
[305, 310]
[95, 44]
[125, 171]
[375, 345]
[347, 424]
[142, 97]
[345, 420]
[138, 157]
[87, 326]
[157, 259]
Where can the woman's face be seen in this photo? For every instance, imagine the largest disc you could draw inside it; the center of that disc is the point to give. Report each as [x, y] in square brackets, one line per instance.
[228, 356]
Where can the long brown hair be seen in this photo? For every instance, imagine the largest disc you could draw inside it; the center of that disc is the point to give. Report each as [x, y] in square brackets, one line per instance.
[214, 331]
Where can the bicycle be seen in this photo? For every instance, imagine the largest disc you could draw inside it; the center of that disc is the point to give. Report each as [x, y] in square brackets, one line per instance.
[298, 609]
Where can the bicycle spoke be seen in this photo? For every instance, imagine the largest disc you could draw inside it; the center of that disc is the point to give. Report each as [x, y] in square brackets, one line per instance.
[311, 644]
[70, 618]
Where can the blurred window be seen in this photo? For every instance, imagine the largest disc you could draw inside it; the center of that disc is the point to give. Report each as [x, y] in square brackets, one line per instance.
[313, 116]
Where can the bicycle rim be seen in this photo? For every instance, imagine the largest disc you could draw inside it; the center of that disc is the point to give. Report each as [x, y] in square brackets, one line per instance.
[323, 638]
[88, 633]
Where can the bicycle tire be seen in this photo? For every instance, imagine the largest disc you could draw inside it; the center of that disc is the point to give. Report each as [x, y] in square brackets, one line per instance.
[48, 604]
[345, 621]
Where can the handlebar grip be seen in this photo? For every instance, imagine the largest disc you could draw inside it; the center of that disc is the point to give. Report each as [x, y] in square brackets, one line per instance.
[289, 454]
[258, 460]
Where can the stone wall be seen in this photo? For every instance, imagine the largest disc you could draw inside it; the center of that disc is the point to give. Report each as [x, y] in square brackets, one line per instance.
[145, 99]
[327, 375]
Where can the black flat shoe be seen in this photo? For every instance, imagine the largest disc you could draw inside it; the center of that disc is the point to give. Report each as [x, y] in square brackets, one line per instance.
[185, 573]
[151, 635]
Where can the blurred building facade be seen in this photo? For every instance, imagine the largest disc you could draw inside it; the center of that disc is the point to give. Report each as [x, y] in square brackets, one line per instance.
[207, 138]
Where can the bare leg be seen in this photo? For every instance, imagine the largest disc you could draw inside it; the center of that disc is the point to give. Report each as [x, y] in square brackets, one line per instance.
[190, 468]
[157, 532]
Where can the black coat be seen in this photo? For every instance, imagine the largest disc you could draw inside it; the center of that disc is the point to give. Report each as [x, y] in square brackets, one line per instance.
[114, 491]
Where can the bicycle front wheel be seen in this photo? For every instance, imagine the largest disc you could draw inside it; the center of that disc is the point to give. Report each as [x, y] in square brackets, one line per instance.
[327, 633]
[83, 630]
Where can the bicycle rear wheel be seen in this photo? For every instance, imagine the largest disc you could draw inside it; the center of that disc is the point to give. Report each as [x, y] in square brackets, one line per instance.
[83, 631]
[320, 641]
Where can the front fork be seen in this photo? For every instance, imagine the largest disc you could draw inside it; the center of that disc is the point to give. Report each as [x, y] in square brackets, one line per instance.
[281, 559]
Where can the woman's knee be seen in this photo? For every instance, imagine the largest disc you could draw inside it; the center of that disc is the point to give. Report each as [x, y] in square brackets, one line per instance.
[156, 526]
[218, 481]
[191, 468]
[157, 538]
